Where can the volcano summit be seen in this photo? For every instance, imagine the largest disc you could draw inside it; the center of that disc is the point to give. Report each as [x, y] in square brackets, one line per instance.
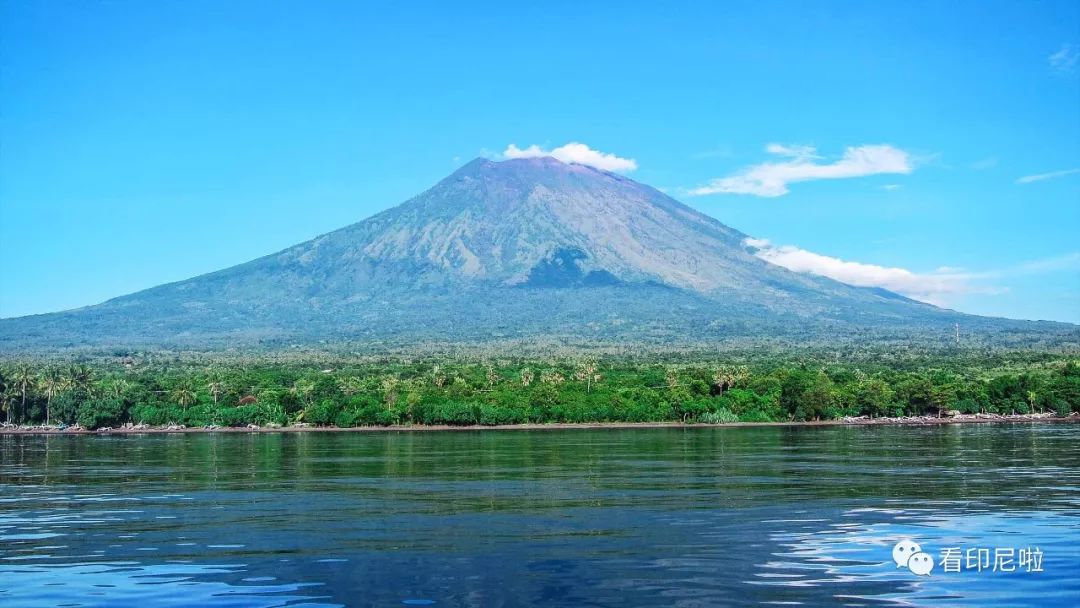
[511, 250]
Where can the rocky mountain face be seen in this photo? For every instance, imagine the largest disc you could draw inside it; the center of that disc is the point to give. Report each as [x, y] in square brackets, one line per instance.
[508, 250]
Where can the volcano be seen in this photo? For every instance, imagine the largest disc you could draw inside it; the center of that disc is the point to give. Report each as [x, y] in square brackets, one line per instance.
[514, 250]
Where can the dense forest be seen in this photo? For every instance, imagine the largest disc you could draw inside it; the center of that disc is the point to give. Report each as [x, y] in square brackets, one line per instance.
[429, 391]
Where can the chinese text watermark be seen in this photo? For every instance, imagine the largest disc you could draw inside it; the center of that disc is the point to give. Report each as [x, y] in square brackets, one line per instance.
[909, 554]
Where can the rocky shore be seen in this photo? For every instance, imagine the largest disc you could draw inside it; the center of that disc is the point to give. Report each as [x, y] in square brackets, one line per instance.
[955, 418]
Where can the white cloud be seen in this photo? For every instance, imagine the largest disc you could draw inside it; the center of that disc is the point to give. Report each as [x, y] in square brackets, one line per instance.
[793, 150]
[937, 287]
[986, 163]
[933, 287]
[891, 187]
[575, 152]
[1065, 59]
[1038, 177]
[771, 179]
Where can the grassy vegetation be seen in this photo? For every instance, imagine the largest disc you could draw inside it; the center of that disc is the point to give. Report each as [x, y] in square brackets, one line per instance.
[197, 391]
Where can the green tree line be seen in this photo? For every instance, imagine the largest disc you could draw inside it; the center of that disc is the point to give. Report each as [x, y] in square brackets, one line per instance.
[430, 392]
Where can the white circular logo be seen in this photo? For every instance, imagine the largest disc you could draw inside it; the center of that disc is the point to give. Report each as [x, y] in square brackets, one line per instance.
[921, 564]
[903, 551]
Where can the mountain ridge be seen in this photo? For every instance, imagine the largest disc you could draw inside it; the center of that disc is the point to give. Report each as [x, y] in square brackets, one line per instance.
[496, 250]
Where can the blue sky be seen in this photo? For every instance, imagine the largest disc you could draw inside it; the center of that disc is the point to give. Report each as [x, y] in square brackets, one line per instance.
[146, 142]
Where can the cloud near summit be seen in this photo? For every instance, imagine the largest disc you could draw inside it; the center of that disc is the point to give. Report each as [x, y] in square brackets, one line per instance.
[575, 152]
[935, 287]
[940, 287]
[801, 163]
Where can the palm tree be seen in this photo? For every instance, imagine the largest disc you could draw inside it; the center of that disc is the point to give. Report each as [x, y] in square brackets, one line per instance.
[81, 378]
[586, 370]
[52, 384]
[216, 388]
[23, 377]
[119, 387]
[7, 390]
[671, 377]
[349, 386]
[437, 377]
[184, 396]
[303, 390]
[8, 400]
[389, 385]
[726, 377]
[552, 377]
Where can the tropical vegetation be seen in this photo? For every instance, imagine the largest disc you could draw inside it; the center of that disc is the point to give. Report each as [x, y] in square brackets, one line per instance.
[433, 391]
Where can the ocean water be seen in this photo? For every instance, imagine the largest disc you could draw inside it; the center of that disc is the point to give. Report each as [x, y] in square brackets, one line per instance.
[605, 517]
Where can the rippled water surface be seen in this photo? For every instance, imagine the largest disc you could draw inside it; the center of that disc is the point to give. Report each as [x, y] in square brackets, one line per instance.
[616, 517]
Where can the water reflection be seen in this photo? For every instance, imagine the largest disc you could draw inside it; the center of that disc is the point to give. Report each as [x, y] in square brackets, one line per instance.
[650, 517]
[856, 552]
[166, 584]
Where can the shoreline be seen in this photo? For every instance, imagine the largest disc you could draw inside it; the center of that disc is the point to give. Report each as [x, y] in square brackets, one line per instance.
[852, 422]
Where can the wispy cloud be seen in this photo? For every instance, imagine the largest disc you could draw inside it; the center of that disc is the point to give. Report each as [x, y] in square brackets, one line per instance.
[891, 187]
[1038, 177]
[1053, 264]
[934, 287]
[985, 163]
[797, 151]
[802, 163]
[575, 152]
[938, 287]
[1065, 59]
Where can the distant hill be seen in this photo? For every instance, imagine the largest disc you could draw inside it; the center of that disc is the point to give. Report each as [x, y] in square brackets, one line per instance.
[512, 250]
